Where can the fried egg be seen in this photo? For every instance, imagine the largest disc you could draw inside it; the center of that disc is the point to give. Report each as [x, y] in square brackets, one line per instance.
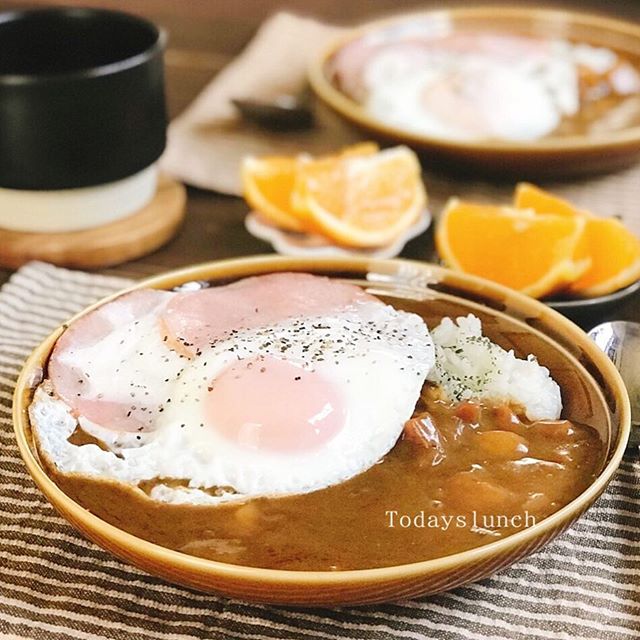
[474, 85]
[114, 365]
[274, 385]
[462, 96]
[482, 100]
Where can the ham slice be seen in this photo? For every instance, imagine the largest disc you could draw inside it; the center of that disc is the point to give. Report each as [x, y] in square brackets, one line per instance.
[106, 366]
[115, 366]
[197, 319]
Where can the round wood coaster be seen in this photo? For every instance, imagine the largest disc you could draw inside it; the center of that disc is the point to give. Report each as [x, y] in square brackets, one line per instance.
[126, 239]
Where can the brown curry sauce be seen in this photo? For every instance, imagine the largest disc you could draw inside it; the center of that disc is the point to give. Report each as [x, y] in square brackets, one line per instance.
[459, 477]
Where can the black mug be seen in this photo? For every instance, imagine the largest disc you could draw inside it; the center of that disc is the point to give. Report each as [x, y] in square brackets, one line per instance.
[81, 97]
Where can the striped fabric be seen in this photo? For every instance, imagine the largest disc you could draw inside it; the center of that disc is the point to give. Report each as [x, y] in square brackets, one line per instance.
[56, 585]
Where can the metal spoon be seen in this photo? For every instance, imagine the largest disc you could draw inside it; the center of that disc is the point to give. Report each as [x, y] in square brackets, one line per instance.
[620, 340]
[282, 113]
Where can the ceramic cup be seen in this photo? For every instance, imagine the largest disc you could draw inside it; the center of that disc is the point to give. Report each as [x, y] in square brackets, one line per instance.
[82, 116]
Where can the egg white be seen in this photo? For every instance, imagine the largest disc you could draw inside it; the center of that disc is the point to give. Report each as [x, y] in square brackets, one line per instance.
[493, 101]
[505, 88]
[129, 365]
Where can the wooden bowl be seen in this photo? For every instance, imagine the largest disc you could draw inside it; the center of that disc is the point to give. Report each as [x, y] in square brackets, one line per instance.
[593, 393]
[551, 156]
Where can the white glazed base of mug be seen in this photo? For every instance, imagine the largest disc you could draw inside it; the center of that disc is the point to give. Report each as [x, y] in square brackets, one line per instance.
[75, 209]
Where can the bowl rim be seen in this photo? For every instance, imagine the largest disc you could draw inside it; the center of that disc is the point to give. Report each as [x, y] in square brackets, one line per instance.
[86, 73]
[353, 111]
[242, 267]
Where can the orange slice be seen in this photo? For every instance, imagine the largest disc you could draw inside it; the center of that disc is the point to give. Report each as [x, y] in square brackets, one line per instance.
[528, 196]
[361, 201]
[269, 182]
[613, 249]
[615, 255]
[517, 248]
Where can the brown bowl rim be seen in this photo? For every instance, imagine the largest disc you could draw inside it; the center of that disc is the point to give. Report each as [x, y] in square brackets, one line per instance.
[350, 109]
[241, 267]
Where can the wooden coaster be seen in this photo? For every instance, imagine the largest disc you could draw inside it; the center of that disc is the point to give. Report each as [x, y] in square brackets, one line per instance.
[125, 239]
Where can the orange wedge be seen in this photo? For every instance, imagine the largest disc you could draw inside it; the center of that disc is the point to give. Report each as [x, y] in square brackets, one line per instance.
[615, 255]
[269, 182]
[364, 200]
[613, 249]
[517, 248]
[528, 196]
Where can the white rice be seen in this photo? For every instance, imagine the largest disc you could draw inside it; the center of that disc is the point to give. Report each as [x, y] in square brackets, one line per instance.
[469, 366]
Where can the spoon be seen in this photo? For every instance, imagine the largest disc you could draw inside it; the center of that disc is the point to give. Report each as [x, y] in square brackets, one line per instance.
[283, 112]
[620, 341]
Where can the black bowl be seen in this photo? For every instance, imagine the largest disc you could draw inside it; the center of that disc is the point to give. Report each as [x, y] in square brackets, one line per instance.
[81, 97]
[589, 311]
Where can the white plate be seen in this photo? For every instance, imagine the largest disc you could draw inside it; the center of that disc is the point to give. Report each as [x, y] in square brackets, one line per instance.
[291, 243]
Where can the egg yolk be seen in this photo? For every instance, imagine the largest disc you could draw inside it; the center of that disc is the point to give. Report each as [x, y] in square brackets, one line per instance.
[273, 405]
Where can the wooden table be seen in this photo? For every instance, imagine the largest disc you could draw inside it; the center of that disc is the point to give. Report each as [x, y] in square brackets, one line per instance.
[206, 34]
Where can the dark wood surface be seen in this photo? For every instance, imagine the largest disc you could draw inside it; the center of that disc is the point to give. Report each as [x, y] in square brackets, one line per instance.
[206, 34]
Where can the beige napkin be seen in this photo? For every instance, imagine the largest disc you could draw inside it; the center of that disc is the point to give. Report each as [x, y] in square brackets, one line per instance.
[208, 141]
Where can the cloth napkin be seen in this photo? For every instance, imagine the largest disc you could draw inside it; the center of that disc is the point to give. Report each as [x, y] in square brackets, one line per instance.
[55, 585]
[208, 141]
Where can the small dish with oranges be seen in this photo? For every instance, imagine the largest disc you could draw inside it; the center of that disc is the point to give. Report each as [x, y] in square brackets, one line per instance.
[540, 245]
[358, 201]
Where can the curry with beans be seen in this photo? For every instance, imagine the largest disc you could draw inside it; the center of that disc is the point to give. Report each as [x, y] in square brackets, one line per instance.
[459, 477]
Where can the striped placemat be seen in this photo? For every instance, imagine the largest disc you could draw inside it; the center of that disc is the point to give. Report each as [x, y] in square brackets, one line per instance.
[56, 585]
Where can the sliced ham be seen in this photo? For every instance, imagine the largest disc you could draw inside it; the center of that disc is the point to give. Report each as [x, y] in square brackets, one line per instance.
[114, 366]
[197, 319]
[109, 366]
